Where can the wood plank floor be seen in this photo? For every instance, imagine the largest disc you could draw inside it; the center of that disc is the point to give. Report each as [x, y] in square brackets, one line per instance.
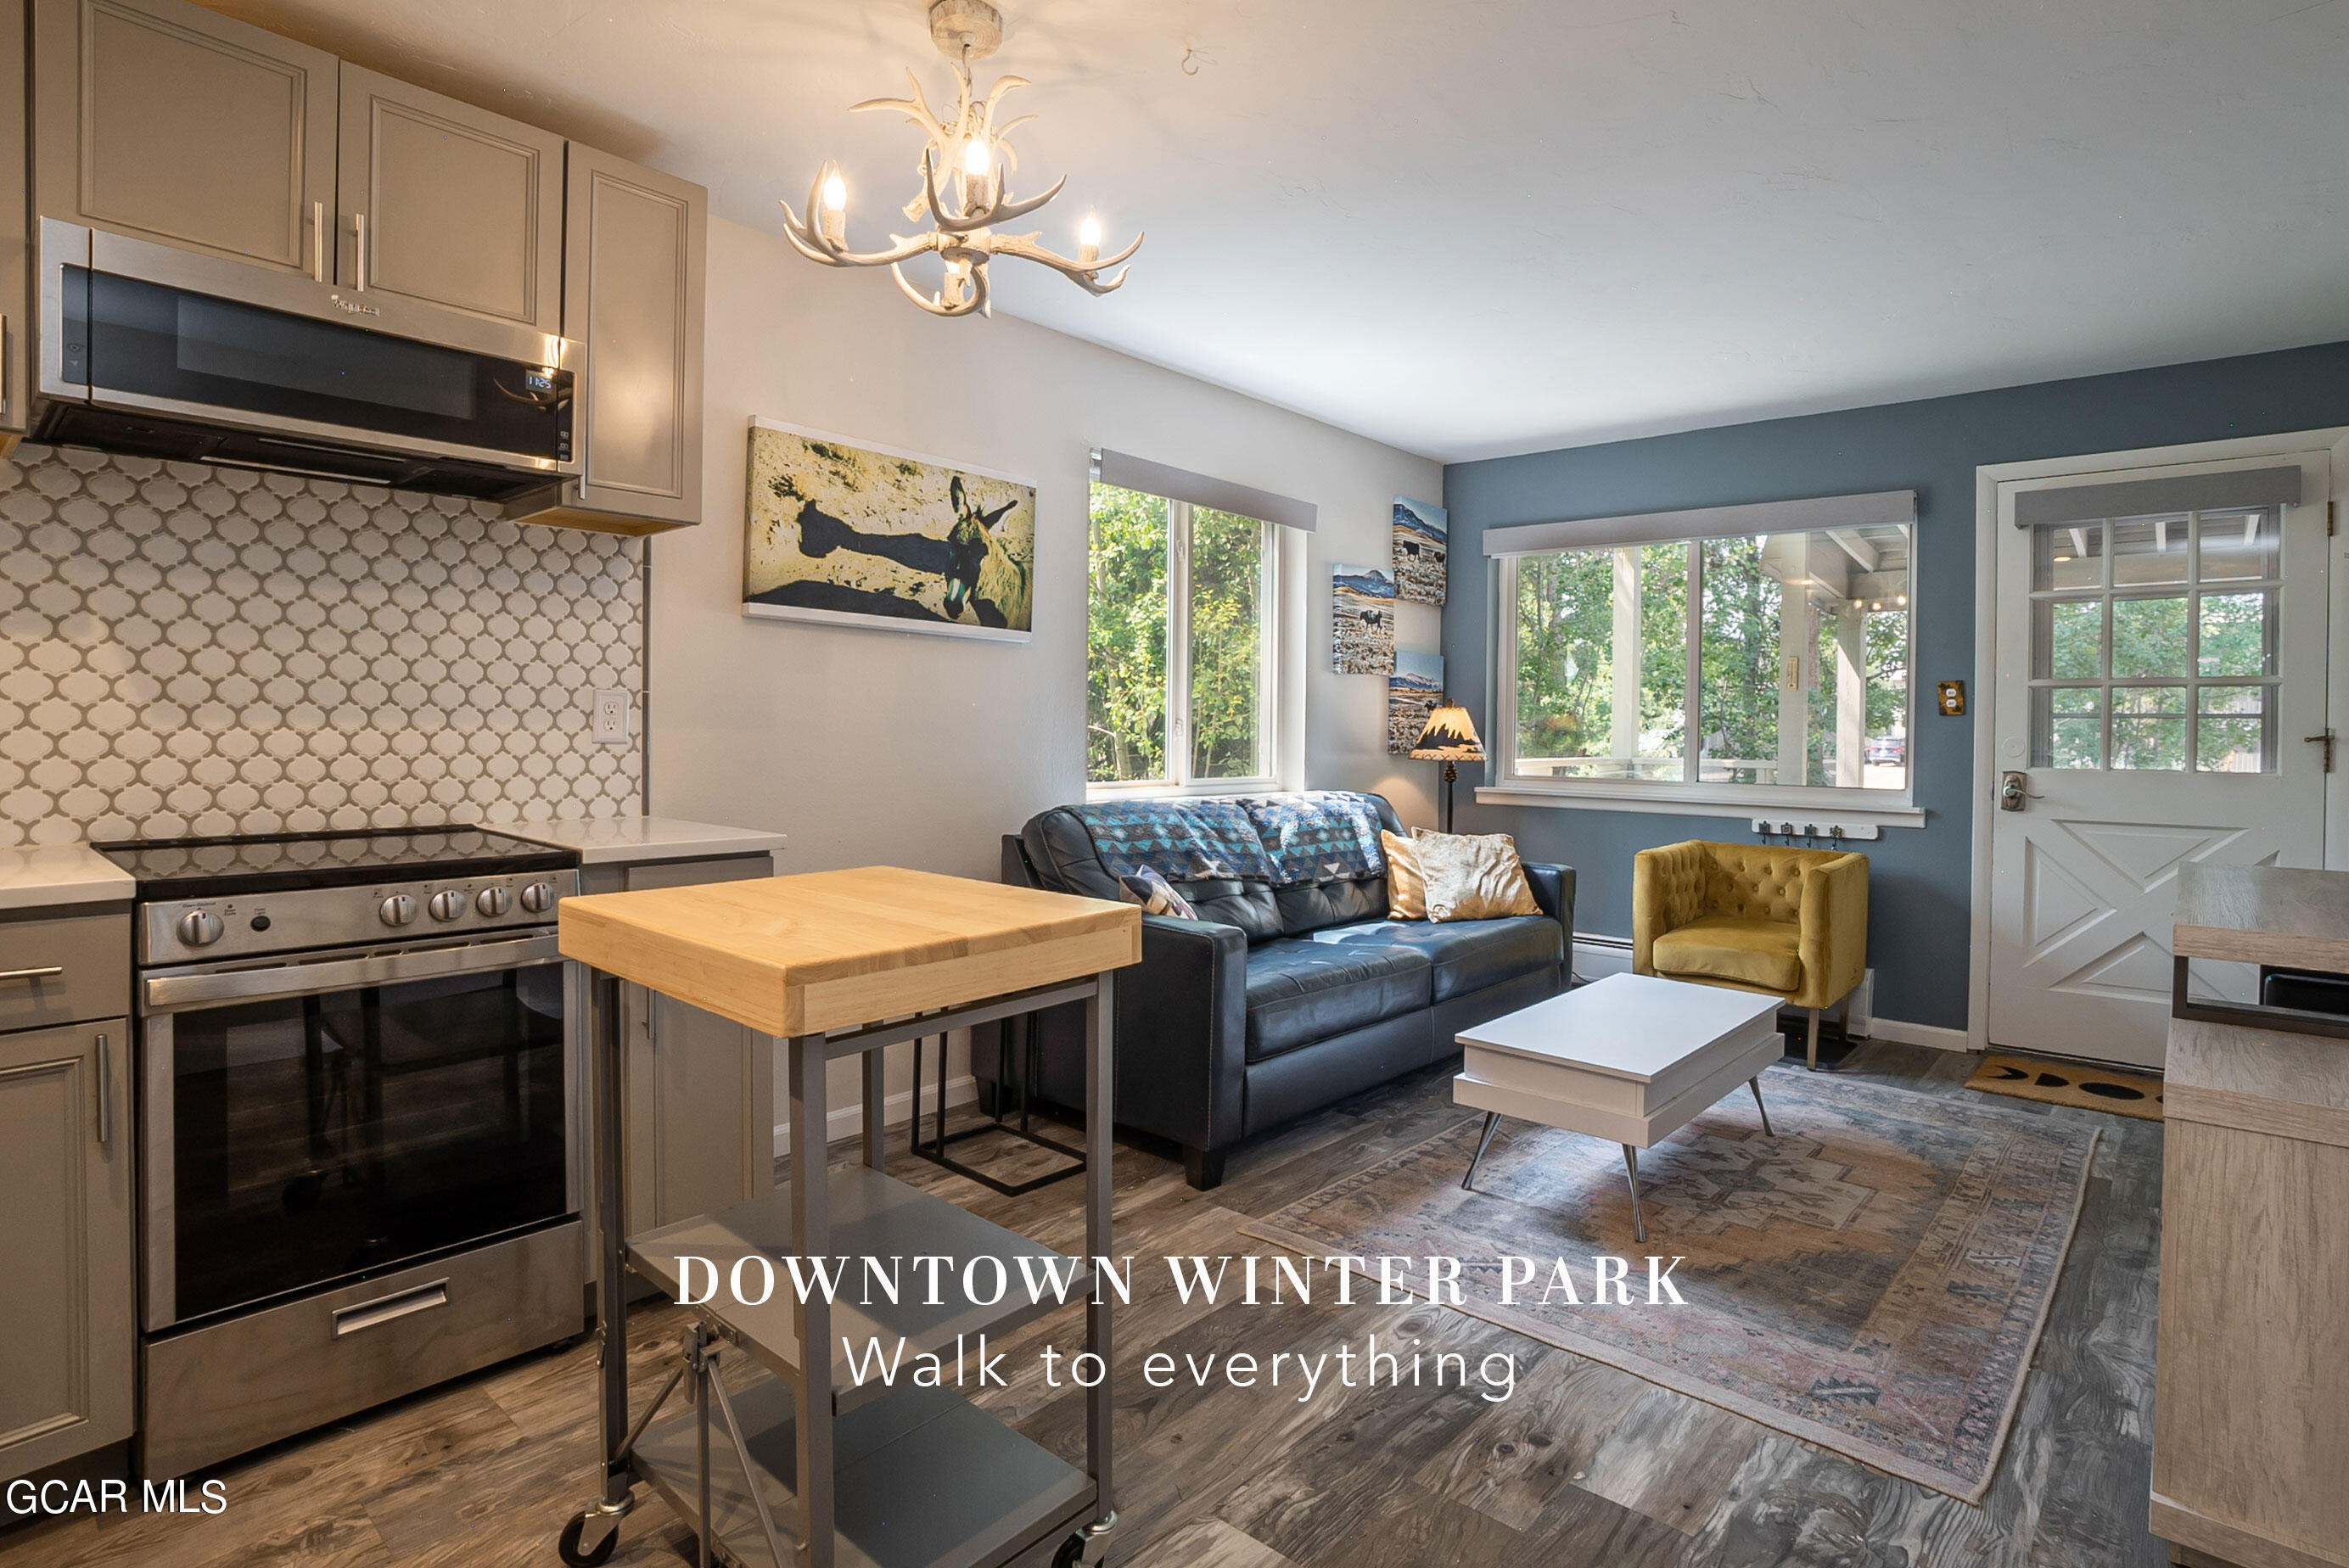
[1584, 1465]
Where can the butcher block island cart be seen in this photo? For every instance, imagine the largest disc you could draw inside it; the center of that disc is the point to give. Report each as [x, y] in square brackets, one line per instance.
[807, 1468]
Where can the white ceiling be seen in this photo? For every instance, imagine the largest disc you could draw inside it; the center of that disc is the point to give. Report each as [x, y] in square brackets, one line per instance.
[1476, 228]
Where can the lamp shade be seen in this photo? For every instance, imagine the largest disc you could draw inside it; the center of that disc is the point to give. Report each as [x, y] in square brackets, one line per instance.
[1450, 737]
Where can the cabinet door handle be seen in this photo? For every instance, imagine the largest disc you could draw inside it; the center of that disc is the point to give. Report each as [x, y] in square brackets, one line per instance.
[359, 253]
[105, 1095]
[49, 972]
[318, 241]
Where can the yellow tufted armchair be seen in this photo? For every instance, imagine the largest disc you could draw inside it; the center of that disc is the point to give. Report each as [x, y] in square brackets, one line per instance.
[1753, 917]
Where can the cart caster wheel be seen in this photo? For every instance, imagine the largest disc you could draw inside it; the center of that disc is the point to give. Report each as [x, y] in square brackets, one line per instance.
[567, 1548]
[1072, 1553]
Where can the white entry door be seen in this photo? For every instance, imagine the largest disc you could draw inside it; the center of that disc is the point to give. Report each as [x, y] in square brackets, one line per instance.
[2158, 673]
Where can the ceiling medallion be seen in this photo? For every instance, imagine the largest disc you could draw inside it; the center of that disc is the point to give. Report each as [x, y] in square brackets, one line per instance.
[971, 152]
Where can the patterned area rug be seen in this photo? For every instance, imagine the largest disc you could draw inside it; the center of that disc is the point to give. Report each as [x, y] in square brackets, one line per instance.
[1873, 1279]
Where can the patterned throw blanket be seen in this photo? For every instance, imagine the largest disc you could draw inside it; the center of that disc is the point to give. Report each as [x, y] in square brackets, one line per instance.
[1183, 840]
[1320, 836]
[1286, 841]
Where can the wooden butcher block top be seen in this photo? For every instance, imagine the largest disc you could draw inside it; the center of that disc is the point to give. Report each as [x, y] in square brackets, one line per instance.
[833, 950]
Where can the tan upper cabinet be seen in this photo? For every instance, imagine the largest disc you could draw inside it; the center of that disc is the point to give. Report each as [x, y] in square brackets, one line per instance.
[68, 1339]
[15, 272]
[632, 292]
[446, 203]
[165, 121]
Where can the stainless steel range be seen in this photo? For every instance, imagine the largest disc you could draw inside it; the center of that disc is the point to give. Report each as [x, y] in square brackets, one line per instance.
[360, 1169]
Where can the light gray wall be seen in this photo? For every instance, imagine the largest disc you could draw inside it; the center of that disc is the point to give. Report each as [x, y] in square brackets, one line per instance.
[920, 750]
[871, 746]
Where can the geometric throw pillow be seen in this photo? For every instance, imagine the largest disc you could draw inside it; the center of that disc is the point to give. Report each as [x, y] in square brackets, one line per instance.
[1473, 876]
[1155, 894]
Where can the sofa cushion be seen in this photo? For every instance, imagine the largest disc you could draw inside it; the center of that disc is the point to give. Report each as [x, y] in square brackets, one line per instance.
[1304, 909]
[1741, 949]
[1300, 991]
[1468, 954]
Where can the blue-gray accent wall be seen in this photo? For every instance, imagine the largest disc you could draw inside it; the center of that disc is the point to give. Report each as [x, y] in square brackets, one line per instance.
[1920, 878]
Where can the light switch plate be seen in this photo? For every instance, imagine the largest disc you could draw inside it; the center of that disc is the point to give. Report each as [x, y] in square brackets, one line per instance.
[611, 719]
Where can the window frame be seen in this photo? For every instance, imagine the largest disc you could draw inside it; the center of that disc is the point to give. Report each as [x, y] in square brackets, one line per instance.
[1804, 805]
[1185, 783]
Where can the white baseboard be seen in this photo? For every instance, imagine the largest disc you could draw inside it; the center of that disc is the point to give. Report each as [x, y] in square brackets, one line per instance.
[1933, 1035]
[846, 1121]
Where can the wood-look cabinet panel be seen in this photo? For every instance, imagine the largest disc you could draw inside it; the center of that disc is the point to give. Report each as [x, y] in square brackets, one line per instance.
[166, 120]
[632, 291]
[458, 207]
[68, 1339]
[16, 260]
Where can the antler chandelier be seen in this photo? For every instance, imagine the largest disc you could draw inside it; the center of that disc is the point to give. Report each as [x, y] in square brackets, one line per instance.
[973, 156]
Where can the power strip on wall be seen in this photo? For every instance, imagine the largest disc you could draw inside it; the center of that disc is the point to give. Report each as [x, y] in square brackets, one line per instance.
[1815, 833]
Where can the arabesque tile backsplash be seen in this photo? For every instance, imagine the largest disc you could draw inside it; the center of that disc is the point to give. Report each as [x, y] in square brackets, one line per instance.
[190, 649]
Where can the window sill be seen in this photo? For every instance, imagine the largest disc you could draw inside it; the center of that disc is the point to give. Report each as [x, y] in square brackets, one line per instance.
[1220, 789]
[1827, 808]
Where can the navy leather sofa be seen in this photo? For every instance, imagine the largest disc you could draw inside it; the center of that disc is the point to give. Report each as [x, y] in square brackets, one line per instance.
[1278, 1001]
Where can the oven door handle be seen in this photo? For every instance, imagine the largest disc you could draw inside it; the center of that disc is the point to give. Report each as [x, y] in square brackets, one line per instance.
[170, 993]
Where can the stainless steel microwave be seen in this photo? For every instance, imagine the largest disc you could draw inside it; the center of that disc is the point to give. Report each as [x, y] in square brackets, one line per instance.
[159, 352]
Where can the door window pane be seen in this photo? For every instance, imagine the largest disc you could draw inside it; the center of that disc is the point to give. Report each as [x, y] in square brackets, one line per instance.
[2238, 545]
[2149, 638]
[2072, 639]
[2148, 550]
[2237, 634]
[1125, 635]
[1227, 645]
[2069, 724]
[2148, 727]
[1602, 663]
[2067, 558]
[2234, 732]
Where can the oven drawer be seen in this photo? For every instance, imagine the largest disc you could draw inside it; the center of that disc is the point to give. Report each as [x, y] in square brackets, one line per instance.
[219, 1391]
[64, 969]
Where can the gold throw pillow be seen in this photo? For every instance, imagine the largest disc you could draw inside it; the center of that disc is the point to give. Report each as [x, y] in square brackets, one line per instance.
[1473, 876]
[1406, 891]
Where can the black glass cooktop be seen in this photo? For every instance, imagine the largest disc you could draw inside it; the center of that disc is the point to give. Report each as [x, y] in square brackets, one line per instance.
[279, 862]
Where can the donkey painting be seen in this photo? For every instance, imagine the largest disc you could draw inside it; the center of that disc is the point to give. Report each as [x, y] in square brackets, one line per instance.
[979, 568]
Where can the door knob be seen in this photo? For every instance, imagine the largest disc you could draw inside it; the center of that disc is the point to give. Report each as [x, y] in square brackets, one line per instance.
[2014, 790]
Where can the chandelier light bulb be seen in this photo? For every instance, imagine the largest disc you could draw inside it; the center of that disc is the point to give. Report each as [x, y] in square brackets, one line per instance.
[1089, 236]
[977, 158]
[835, 193]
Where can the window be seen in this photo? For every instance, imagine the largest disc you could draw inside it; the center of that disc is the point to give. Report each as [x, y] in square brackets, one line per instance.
[2153, 643]
[1774, 660]
[1179, 638]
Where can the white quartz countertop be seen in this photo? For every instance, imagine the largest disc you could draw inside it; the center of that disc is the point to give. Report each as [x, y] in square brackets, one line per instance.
[61, 873]
[634, 840]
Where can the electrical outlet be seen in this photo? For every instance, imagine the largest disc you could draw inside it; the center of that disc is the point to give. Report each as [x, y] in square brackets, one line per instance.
[611, 726]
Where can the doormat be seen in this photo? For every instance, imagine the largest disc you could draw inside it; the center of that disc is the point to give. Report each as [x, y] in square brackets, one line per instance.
[2070, 1083]
[1872, 1280]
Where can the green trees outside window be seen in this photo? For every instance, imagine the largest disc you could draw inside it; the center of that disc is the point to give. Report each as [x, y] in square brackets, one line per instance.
[1793, 669]
[1177, 628]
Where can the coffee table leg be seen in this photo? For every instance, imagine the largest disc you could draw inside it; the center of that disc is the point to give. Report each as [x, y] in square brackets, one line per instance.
[1631, 1168]
[1755, 1085]
[1492, 1122]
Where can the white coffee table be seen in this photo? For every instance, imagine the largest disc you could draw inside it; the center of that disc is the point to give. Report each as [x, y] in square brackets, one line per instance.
[1631, 1058]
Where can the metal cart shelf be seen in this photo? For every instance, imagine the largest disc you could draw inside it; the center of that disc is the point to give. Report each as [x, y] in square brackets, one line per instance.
[802, 1467]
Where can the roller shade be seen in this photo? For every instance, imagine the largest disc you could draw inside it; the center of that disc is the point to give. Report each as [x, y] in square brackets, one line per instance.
[1875, 508]
[2228, 491]
[1141, 474]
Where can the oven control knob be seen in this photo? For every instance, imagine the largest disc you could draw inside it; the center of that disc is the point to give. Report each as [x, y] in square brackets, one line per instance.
[200, 928]
[398, 910]
[447, 903]
[538, 897]
[493, 901]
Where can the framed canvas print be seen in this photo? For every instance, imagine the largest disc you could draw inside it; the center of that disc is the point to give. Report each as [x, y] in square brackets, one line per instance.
[870, 536]
[1362, 621]
[1413, 692]
[1422, 540]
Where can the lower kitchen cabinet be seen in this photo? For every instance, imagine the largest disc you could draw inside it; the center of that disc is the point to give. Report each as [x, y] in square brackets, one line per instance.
[67, 1336]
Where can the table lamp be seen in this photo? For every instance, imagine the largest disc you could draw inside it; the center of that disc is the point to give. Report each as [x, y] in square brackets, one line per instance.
[1450, 739]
